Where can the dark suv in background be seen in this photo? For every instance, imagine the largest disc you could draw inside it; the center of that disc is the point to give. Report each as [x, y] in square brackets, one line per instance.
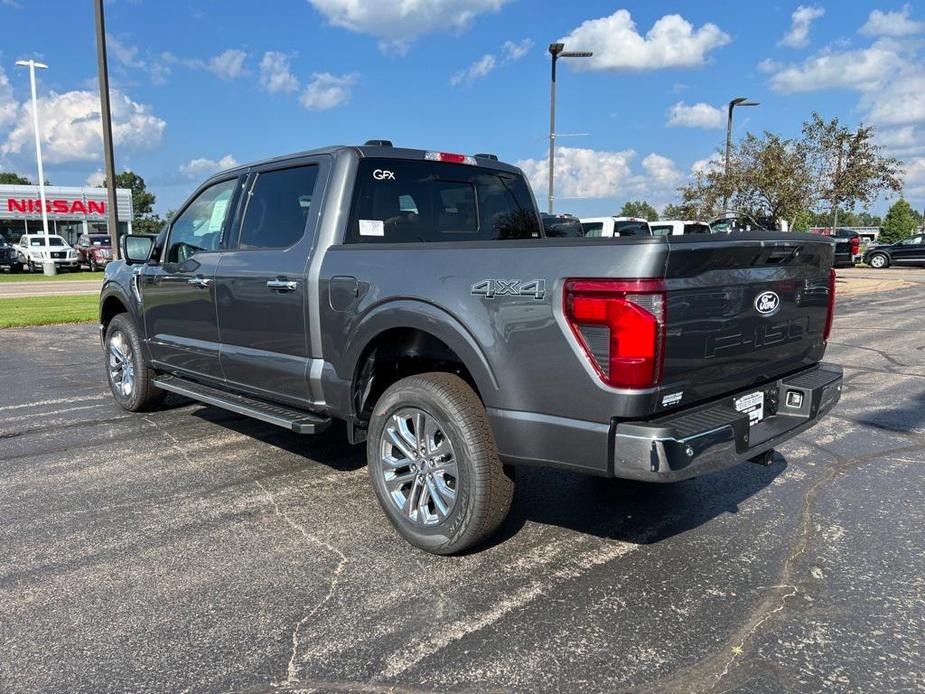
[910, 251]
[9, 259]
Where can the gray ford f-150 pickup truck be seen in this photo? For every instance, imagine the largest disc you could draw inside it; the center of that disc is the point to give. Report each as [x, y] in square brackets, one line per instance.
[413, 295]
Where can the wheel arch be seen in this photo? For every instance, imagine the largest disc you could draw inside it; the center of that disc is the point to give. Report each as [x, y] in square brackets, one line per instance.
[408, 337]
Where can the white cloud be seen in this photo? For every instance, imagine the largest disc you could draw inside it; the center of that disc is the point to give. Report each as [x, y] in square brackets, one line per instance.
[515, 50]
[479, 68]
[661, 171]
[399, 23]
[581, 173]
[95, 180]
[863, 70]
[227, 65]
[714, 162]
[199, 168]
[511, 51]
[275, 75]
[8, 105]
[72, 130]
[671, 42]
[800, 22]
[881, 23]
[327, 91]
[699, 115]
[125, 54]
[900, 102]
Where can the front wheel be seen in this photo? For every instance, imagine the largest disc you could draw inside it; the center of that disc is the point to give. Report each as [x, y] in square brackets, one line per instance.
[93, 266]
[130, 378]
[434, 466]
[878, 261]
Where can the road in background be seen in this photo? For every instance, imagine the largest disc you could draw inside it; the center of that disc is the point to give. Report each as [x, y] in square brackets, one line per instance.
[191, 548]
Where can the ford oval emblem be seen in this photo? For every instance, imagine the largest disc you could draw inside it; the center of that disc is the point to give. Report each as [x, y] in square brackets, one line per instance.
[767, 303]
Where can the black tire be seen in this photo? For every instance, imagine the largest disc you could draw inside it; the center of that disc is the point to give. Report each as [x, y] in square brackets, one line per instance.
[483, 487]
[93, 266]
[882, 258]
[143, 395]
[15, 268]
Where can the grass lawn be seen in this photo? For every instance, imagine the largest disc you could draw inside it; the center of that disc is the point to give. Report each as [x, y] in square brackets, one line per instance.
[39, 277]
[46, 310]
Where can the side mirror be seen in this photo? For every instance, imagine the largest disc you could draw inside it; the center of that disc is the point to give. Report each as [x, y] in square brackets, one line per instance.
[136, 248]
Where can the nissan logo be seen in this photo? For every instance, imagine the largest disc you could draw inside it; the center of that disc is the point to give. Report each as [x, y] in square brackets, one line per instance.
[767, 303]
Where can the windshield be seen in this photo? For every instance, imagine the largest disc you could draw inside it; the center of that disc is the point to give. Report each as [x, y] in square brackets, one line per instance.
[661, 229]
[52, 241]
[100, 240]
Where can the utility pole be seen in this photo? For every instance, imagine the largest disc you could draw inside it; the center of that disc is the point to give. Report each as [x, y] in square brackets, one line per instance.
[108, 157]
[556, 50]
[738, 101]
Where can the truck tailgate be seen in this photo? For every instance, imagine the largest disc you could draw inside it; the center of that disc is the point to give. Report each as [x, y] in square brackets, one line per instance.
[741, 310]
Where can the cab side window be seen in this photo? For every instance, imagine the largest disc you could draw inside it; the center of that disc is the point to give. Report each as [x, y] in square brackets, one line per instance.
[278, 208]
[201, 225]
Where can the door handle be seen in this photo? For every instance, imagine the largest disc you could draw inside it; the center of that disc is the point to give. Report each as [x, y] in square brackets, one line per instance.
[282, 285]
[201, 282]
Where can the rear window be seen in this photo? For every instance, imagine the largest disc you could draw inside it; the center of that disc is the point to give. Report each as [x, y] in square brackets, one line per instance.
[631, 228]
[406, 201]
[562, 227]
[696, 229]
[593, 229]
[661, 229]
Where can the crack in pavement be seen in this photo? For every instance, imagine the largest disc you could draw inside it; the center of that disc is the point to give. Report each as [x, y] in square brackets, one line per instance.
[292, 668]
[709, 673]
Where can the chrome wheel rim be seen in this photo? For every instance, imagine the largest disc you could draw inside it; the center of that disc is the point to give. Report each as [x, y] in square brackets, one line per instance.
[417, 466]
[121, 364]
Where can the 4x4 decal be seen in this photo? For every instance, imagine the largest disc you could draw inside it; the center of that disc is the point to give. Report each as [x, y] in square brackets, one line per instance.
[492, 288]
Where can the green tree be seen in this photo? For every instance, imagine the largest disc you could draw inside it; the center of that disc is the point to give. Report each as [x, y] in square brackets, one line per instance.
[848, 168]
[682, 211]
[900, 222]
[803, 220]
[639, 208]
[10, 178]
[144, 221]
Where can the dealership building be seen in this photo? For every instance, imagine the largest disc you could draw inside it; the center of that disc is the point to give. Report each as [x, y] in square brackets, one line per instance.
[71, 211]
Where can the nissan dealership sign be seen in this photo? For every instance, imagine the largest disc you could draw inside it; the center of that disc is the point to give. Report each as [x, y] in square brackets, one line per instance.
[63, 203]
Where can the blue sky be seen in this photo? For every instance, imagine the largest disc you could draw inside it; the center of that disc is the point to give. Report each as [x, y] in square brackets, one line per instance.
[205, 83]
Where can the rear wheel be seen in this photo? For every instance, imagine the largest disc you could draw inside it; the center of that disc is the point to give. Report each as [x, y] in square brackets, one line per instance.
[434, 466]
[879, 261]
[130, 378]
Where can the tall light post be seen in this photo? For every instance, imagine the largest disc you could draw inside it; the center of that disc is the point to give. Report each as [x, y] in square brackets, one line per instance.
[106, 118]
[557, 50]
[31, 64]
[739, 101]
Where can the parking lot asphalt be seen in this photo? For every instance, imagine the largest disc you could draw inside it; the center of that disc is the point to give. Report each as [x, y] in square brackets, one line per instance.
[191, 549]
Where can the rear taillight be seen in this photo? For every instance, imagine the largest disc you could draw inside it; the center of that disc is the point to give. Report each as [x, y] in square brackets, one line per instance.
[620, 325]
[830, 313]
[855, 245]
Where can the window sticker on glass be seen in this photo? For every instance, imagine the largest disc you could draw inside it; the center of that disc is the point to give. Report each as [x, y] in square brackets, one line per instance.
[218, 214]
[372, 227]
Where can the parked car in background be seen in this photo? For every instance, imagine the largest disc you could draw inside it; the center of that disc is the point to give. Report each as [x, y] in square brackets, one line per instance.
[615, 226]
[910, 251]
[847, 246]
[562, 226]
[94, 251]
[35, 249]
[678, 227]
[9, 258]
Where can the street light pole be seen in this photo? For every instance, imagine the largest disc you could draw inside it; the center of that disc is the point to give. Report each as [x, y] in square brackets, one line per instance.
[739, 101]
[106, 115]
[31, 64]
[556, 50]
